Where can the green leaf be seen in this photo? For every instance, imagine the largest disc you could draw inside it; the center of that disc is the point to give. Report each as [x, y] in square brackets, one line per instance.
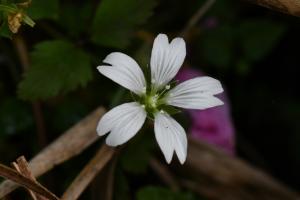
[160, 193]
[4, 30]
[258, 37]
[57, 66]
[116, 20]
[41, 9]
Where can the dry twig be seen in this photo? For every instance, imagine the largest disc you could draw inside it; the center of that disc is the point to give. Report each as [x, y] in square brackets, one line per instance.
[18, 178]
[70, 144]
[217, 176]
[89, 172]
[22, 167]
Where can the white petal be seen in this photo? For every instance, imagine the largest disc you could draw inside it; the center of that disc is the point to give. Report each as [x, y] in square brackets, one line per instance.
[196, 93]
[166, 59]
[123, 122]
[124, 71]
[170, 136]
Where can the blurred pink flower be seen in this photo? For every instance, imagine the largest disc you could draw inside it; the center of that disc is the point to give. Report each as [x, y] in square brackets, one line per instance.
[212, 125]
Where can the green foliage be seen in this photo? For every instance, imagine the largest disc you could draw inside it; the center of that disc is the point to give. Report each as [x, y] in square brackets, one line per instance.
[57, 66]
[15, 116]
[160, 193]
[217, 46]
[239, 46]
[41, 9]
[121, 190]
[75, 17]
[115, 20]
[258, 37]
[136, 156]
[4, 30]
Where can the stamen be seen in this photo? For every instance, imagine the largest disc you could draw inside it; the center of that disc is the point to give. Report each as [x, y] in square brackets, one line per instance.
[143, 106]
[168, 87]
[161, 111]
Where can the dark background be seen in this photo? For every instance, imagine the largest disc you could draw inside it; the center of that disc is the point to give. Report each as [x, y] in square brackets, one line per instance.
[252, 50]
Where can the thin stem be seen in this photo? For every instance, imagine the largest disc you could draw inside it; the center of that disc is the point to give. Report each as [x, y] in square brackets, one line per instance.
[22, 52]
[196, 17]
[110, 181]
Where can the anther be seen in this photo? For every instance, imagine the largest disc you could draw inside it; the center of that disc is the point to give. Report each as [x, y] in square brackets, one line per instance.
[168, 87]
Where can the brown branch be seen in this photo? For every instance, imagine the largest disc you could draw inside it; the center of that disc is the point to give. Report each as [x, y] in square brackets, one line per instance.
[218, 176]
[70, 144]
[164, 173]
[30, 192]
[89, 172]
[18, 178]
[22, 167]
[291, 7]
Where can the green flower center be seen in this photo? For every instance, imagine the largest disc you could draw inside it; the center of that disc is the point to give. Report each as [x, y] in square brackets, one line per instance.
[154, 101]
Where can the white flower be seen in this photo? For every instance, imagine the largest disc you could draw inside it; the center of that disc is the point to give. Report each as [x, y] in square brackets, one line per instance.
[155, 95]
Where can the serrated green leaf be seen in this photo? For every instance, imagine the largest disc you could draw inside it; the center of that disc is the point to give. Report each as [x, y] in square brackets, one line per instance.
[160, 193]
[258, 37]
[116, 20]
[41, 9]
[57, 66]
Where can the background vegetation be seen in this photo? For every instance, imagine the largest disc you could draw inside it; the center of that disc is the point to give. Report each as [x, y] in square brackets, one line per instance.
[252, 50]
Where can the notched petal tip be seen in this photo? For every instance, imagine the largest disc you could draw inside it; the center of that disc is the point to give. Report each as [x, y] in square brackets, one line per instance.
[162, 36]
